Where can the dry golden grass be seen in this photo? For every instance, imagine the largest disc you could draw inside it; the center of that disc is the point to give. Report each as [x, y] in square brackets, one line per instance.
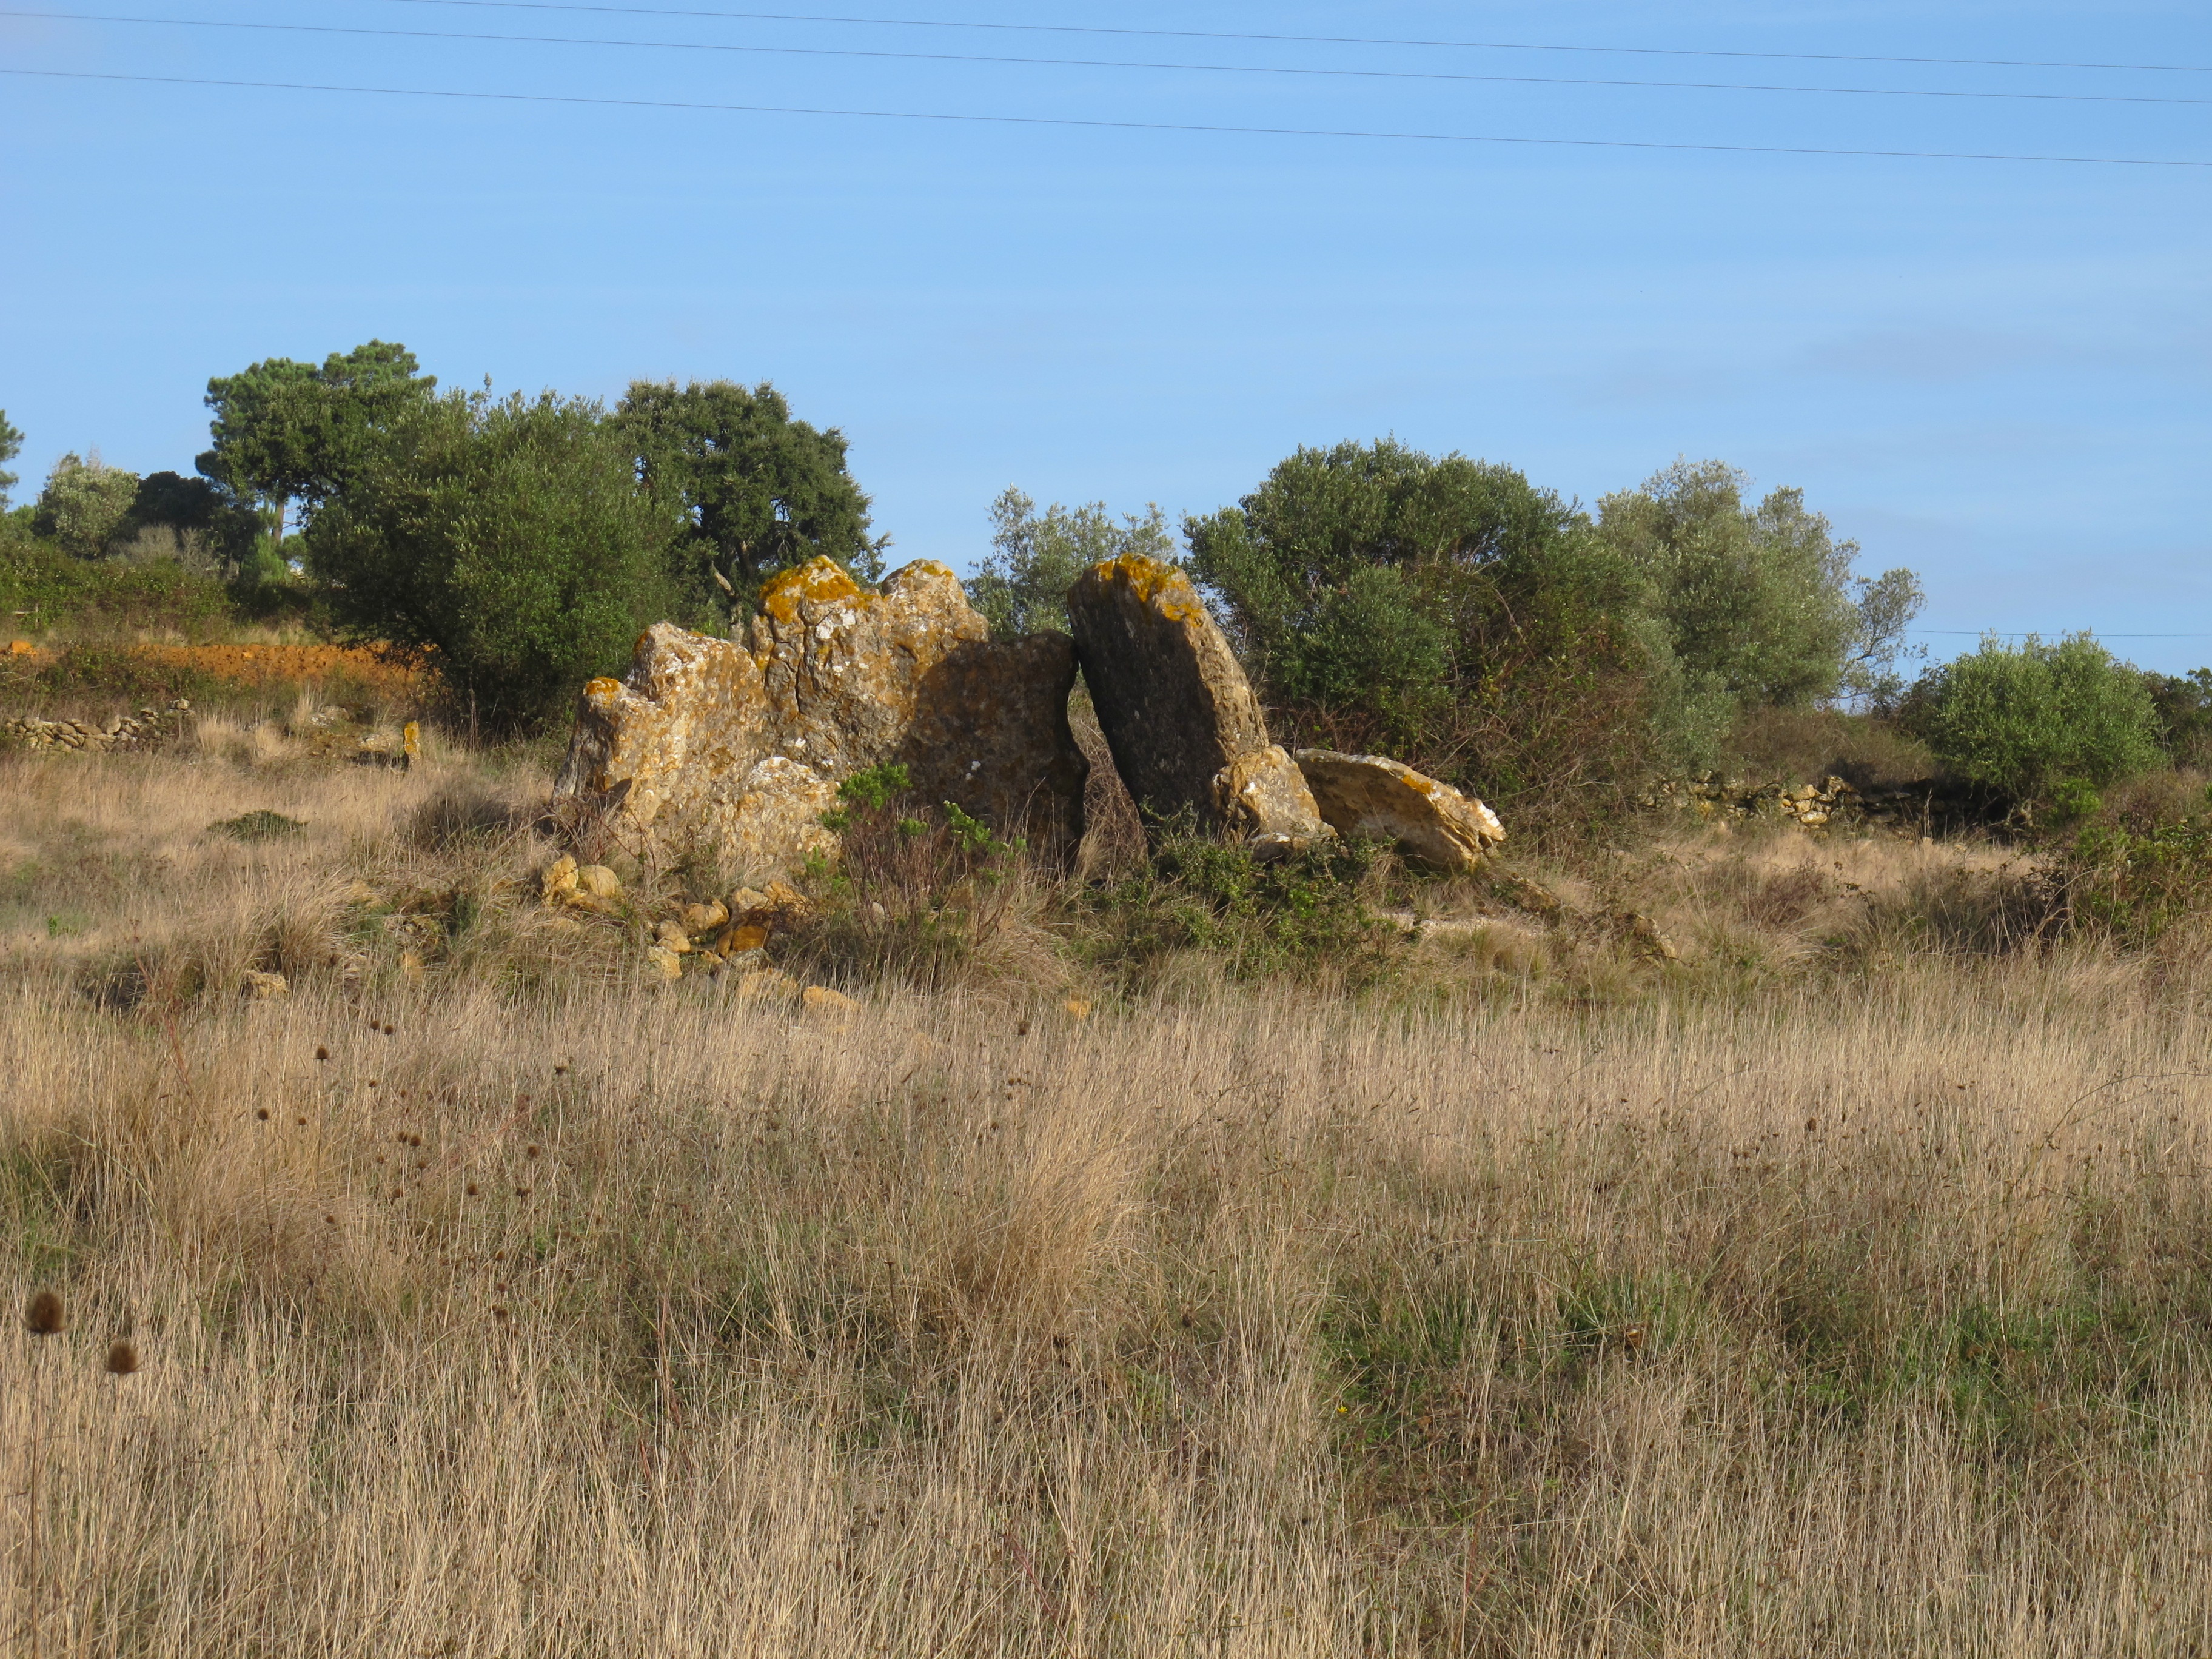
[552, 1312]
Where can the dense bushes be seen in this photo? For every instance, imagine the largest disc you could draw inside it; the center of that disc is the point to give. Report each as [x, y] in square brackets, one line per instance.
[1450, 611]
[43, 589]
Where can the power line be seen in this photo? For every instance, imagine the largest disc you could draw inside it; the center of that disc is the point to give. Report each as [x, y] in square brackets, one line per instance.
[1309, 40]
[1124, 126]
[1085, 63]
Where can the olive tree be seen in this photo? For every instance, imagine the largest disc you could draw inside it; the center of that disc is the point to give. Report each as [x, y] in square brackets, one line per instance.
[84, 503]
[1022, 584]
[507, 539]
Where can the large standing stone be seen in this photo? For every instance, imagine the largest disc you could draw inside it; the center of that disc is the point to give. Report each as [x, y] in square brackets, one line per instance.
[673, 737]
[1388, 800]
[1178, 713]
[706, 743]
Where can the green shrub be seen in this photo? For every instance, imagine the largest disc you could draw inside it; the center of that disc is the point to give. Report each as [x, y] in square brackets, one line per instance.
[507, 537]
[85, 503]
[2136, 883]
[1298, 913]
[916, 893]
[2031, 720]
[2184, 702]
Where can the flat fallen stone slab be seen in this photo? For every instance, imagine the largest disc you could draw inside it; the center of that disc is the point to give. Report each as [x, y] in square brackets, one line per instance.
[1383, 800]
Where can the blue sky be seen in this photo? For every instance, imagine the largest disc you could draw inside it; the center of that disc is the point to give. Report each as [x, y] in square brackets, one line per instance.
[1996, 373]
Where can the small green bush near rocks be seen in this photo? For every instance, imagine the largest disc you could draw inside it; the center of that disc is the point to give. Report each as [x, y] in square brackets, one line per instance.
[1307, 912]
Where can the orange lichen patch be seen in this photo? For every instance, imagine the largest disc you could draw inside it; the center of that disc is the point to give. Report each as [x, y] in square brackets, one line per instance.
[260, 665]
[599, 690]
[21, 648]
[820, 580]
[1162, 586]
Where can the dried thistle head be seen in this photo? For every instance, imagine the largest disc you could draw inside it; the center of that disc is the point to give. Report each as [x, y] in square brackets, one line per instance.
[122, 1358]
[43, 1315]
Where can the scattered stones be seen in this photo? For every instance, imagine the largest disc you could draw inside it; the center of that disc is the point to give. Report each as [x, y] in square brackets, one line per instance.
[670, 936]
[258, 986]
[821, 999]
[1178, 715]
[741, 938]
[599, 882]
[665, 962]
[767, 985]
[559, 879]
[706, 742]
[1370, 795]
[702, 919]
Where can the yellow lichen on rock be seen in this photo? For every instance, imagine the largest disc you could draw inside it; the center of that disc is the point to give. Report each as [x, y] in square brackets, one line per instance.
[822, 581]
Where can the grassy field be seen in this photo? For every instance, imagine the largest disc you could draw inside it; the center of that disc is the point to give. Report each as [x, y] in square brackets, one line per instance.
[1840, 1289]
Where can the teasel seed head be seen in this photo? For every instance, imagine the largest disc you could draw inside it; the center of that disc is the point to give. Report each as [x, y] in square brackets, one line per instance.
[122, 1358]
[43, 1315]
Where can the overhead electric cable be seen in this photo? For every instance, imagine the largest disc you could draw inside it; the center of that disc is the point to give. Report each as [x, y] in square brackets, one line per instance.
[1307, 40]
[1093, 123]
[1078, 63]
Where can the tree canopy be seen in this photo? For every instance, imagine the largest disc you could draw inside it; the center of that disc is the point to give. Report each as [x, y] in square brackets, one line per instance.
[1022, 584]
[288, 431]
[1760, 603]
[85, 503]
[1445, 608]
[757, 491]
[11, 446]
[508, 537]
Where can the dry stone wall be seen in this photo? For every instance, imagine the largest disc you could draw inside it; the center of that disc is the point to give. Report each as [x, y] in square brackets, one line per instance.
[146, 728]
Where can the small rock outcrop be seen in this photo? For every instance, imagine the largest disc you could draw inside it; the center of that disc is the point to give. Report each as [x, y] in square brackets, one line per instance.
[1185, 730]
[1388, 800]
[707, 742]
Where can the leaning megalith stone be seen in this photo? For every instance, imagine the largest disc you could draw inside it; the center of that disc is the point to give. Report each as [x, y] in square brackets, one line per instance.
[1178, 713]
[1368, 795]
[705, 743]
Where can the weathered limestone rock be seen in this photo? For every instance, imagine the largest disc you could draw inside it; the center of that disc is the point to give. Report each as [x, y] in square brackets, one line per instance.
[911, 676]
[1178, 713]
[1264, 797]
[1368, 795]
[742, 750]
[678, 736]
